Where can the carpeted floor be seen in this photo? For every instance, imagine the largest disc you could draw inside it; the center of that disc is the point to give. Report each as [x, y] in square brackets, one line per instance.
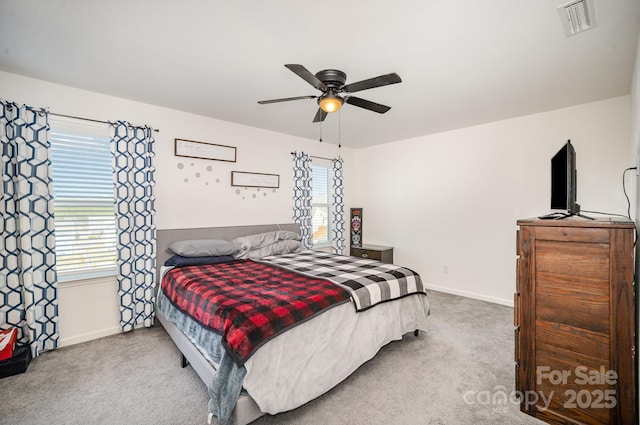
[449, 375]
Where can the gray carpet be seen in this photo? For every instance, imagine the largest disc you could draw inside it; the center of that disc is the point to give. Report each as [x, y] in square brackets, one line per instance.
[135, 378]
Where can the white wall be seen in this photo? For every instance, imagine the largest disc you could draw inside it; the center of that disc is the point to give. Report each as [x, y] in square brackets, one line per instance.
[89, 309]
[635, 154]
[635, 132]
[451, 200]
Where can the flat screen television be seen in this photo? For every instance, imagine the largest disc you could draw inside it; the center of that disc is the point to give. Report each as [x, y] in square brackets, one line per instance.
[564, 180]
[564, 184]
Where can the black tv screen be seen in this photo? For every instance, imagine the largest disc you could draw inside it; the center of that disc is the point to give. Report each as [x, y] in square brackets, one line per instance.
[563, 180]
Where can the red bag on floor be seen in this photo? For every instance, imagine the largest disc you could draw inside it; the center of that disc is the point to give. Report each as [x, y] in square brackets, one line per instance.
[8, 339]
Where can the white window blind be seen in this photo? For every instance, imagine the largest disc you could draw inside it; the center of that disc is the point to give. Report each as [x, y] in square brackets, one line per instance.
[320, 219]
[83, 201]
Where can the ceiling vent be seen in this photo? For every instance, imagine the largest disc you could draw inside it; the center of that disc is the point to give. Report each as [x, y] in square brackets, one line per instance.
[577, 16]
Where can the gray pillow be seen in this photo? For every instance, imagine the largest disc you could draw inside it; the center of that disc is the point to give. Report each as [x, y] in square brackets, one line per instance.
[203, 247]
[277, 248]
[261, 240]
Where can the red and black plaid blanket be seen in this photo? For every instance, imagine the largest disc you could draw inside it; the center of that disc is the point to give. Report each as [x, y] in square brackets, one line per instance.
[247, 302]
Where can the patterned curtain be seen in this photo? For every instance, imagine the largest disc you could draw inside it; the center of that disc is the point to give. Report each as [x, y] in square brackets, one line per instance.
[337, 208]
[134, 182]
[28, 282]
[302, 192]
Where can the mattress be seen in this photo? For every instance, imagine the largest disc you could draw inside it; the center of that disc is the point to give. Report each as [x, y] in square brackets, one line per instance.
[310, 359]
[304, 362]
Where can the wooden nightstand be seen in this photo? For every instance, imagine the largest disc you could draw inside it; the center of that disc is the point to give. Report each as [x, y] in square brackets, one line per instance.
[373, 252]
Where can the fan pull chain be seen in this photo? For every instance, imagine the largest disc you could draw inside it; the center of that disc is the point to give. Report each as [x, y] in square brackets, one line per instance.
[339, 128]
[320, 131]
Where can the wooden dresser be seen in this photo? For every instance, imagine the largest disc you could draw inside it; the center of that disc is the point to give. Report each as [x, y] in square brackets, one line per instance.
[575, 321]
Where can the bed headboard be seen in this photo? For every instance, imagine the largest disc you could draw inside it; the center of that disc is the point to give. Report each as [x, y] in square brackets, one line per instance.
[166, 237]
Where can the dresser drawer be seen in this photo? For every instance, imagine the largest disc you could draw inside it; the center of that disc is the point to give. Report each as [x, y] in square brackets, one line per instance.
[373, 252]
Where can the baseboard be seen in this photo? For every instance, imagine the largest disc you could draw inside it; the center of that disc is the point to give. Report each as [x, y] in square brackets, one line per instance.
[88, 336]
[495, 300]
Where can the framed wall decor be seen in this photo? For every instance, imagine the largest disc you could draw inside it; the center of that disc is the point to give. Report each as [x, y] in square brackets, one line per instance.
[355, 225]
[204, 150]
[242, 178]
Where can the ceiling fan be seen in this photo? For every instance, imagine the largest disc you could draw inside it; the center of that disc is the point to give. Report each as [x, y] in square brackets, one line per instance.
[331, 82]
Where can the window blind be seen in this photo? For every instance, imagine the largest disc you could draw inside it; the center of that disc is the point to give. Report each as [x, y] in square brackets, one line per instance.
[320, 206]
[83, 203]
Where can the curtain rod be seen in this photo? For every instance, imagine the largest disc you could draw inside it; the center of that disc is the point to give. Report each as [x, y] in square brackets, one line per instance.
[89, 119]
[318, 157]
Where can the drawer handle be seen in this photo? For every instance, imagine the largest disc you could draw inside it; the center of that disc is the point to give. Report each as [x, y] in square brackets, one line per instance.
[364, 255]
[516, 355]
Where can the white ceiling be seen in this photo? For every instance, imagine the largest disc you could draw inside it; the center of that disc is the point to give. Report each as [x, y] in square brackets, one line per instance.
[462, 62]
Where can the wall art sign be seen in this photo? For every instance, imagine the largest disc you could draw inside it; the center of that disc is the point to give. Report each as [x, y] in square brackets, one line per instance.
[242, 178]
[356, 226]
[204, 150]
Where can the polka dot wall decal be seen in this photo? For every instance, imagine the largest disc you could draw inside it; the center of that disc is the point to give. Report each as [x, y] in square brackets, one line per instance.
[237, 191]
[186, 180]
[192, 164]
[264, 194]
[209, 168]
[253, 196]
[207, 183]
[217, 180]
[180, 165]
[197, 174]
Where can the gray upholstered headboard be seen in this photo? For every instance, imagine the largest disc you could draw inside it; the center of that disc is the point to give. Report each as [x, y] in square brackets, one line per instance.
[166, 237]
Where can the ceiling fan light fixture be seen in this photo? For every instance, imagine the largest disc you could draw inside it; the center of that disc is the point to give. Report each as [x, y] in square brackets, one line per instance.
[331, 82]
[330, 103]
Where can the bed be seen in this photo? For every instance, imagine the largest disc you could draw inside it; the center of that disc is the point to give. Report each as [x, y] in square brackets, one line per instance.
[302, 363]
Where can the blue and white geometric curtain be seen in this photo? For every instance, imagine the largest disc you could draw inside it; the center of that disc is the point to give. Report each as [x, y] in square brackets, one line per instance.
[337, 207]
[28, 282]
[134, 182]
[302, 193]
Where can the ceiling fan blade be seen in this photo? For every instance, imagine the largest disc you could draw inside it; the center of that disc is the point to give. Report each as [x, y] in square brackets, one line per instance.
[367, 104]
[285, 99]
[382, 80]
[320, 115]
[306, 75]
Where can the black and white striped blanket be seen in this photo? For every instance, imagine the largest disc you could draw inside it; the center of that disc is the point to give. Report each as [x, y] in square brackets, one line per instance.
[370, 282]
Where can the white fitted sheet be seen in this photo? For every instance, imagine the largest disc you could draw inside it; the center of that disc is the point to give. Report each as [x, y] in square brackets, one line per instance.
[310, 359]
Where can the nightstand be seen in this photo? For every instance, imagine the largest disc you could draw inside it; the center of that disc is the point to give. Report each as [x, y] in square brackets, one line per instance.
[373, 252]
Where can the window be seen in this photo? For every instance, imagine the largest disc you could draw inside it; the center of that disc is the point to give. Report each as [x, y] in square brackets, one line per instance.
[83, 201]
[320, 205]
